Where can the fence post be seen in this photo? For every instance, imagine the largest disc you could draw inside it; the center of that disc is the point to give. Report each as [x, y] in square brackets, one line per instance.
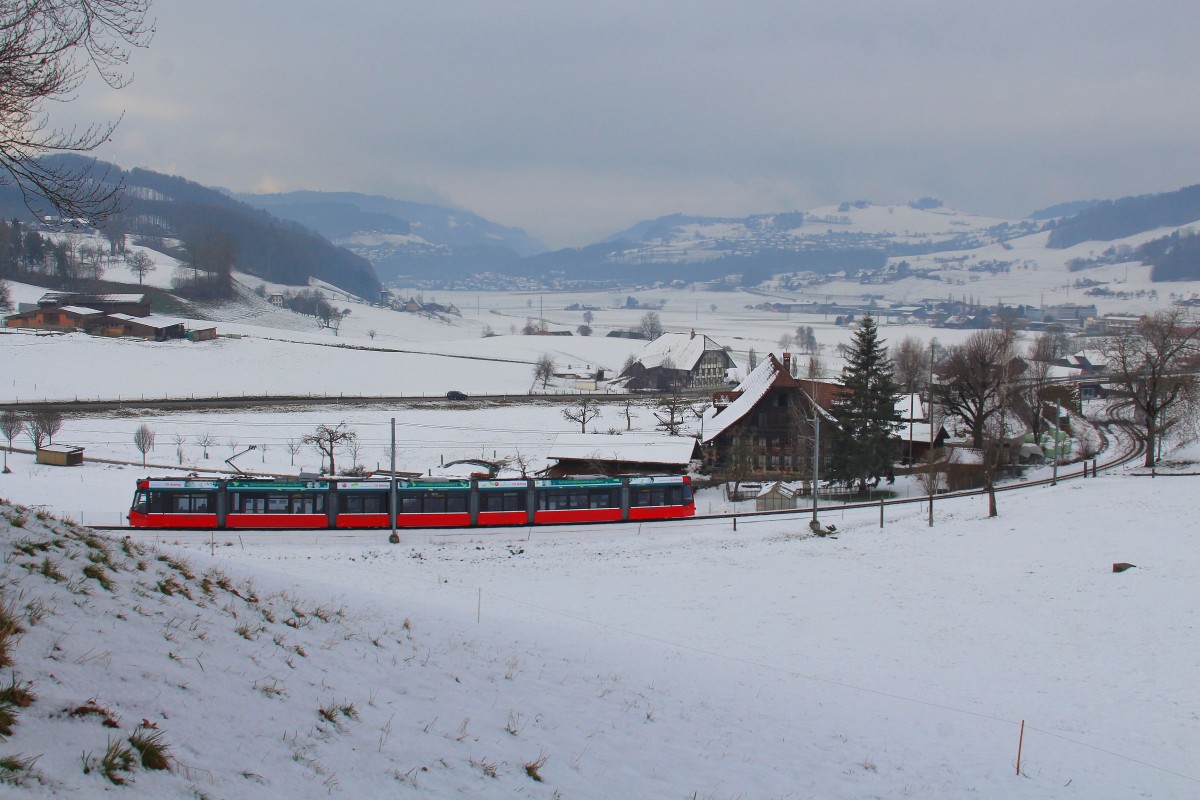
[881, 512]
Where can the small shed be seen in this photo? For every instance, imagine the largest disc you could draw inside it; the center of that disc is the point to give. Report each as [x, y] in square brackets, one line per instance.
[60, 455]
[777, 496]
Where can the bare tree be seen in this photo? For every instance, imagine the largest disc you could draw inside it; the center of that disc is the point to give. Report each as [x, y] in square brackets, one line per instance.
[816, 368]
[143, 440]
[47, 49]
[909, 364]
[140, 264]
[179, 440]
[206, 440]
[806, 339]
[1153, 363]
[1053, 343]
[521, 462]
[293, 447]
[977, 381]
[650, 326]
[587, 410]
[931, 474]
[627, 410]
[11, 426]
[1035, 380]
[328, 439]
[233, 444]
[543, 370]
[91, 262]
[42, 425]
[671, 412]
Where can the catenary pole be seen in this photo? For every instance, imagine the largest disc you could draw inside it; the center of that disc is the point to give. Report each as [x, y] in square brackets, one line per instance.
[395, 537]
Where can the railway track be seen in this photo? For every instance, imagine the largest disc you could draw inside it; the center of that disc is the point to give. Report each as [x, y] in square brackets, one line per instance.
[1118, 435]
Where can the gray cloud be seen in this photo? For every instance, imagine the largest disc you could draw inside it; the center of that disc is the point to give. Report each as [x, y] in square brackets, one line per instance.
[576, 119]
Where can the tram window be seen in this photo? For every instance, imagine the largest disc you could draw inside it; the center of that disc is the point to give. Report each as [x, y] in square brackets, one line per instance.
[501, 501]
[601, 498]
[410, 504]
[195, 503]
[434, 504]
[456, 503]
[141, 503]
[278, 504]
[650, 497]
[249, 504]
[365, 504]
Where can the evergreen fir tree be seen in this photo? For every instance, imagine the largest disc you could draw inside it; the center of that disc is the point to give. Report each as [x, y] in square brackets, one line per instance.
[863, 447]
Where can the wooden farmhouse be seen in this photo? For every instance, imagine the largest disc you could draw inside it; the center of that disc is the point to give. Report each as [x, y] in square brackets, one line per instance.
[764, 427]
[680, 361]
[104, 315]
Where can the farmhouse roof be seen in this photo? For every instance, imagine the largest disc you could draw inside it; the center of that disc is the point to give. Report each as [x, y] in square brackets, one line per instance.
[155, 321]
[641, 448]
[767, 374]
[52, 298]
[684, 350]
[909, 407]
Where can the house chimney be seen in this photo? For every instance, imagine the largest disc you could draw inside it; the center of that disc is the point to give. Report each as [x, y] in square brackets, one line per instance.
[693, 336]
[787, 363]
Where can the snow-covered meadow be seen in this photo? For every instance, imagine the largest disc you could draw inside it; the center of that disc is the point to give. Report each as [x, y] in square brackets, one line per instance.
[682, 659]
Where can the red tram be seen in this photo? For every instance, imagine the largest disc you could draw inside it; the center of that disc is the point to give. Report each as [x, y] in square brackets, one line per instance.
[258, 503]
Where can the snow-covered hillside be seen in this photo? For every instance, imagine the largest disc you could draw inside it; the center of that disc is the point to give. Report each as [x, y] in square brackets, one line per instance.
[687, 660]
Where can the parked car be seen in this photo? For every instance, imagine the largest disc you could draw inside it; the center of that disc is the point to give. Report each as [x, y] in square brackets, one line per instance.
[455, 395]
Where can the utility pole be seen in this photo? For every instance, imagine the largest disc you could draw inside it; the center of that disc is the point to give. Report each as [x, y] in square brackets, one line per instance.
[816, 453]
[392, 504]
[1057, 419]
[932, 485]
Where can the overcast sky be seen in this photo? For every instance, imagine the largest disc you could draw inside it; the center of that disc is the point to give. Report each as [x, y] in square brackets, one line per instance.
[575, 120]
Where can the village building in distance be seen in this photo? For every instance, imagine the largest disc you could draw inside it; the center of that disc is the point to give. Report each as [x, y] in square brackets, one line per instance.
[680, 361]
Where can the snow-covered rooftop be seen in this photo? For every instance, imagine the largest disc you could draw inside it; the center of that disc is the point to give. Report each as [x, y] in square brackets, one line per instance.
[646, 448]
[751, 390]
[684, 350]
[151, 320]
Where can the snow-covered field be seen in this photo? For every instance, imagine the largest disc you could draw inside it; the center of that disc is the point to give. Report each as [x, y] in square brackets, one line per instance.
[675, 660]
[682, 660]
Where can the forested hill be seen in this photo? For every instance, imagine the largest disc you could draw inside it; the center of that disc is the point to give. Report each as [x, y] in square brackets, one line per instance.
[165, 206]
[1116, 219]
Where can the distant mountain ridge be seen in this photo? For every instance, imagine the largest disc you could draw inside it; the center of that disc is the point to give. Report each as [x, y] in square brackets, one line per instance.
[1116, 219]
[157, 205]
[402, 237]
